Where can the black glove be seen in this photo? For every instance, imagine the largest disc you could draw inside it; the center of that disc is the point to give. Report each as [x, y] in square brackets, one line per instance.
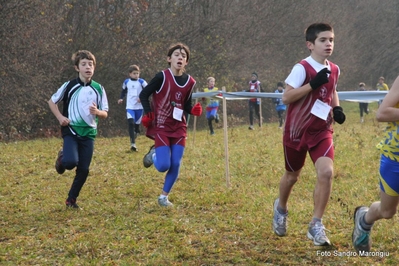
[320, 79]
[339, 115]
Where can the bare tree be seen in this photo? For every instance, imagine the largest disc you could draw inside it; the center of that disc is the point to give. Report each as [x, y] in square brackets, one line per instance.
[229, 39]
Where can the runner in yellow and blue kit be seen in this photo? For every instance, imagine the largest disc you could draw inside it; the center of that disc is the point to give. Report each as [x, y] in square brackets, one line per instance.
[386, 208]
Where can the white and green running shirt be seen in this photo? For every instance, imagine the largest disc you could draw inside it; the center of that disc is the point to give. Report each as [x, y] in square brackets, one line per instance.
[77, 97]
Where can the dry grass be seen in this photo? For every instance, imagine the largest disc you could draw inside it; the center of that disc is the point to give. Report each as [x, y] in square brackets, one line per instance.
[121, 223]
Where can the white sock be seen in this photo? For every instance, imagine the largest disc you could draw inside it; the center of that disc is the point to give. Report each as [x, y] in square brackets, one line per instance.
[162, 196]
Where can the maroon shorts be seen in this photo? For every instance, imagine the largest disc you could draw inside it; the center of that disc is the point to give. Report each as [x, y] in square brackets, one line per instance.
[294, 160]
[162, 140]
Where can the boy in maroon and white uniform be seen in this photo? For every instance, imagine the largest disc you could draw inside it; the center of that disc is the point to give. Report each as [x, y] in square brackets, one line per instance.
[254, 103]
[313, 104]
[164, 118]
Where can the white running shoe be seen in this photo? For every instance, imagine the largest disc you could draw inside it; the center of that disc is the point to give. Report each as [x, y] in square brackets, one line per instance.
[133, 147]
[164, 202]
[279, 221]
[317, 233]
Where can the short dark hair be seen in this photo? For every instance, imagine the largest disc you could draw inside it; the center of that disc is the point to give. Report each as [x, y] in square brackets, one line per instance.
[83, 54]
[180, 46]
[313, 31]
[280, 84]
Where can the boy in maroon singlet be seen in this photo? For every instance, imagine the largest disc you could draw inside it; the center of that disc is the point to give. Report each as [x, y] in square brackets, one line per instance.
[254, 103]
[313, 105]
[164, 118]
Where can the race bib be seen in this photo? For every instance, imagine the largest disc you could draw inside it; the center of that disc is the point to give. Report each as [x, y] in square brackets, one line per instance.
[321, 109]
[177, 113]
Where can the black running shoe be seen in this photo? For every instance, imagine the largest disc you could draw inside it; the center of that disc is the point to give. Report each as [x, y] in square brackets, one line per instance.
[71, 203]
[58, 165]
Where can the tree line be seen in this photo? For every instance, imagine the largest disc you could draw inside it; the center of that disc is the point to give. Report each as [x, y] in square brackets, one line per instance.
[229, 39]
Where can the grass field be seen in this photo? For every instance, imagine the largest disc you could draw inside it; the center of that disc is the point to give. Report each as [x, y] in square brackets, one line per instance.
[120, 222]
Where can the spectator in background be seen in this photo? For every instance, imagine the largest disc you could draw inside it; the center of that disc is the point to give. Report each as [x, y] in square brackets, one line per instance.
[381, 86]
[280, 106]
[364, 107]
[212, 105]
[254, 103]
